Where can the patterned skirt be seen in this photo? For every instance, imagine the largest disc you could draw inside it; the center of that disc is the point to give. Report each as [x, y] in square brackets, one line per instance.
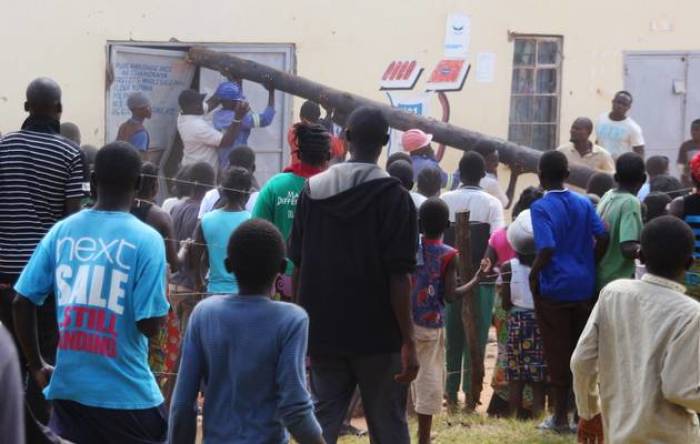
[525, 349]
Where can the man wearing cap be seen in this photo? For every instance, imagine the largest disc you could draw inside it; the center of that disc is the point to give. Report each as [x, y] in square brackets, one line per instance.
[229, 94]
[132, 130]
[417, 144]
[201, 142]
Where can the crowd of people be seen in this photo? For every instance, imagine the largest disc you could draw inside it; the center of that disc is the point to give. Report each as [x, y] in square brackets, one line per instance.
[274, 310]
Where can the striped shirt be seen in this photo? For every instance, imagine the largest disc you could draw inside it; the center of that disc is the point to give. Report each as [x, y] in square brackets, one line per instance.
[39, 170]
[691, 215]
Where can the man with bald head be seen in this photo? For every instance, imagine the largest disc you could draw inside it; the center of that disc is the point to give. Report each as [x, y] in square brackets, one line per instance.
[41, 181]
[580, 150]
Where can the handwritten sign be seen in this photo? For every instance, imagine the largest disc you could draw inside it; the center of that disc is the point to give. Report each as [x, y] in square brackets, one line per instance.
[161, 75]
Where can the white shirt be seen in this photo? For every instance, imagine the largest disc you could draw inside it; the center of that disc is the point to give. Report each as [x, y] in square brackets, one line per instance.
[213, 196]
[482, 206]
[200, 140]
[520, 293]
[170, 203]
[638, 363]
[418, 199]
[491, 185]
[618, 137]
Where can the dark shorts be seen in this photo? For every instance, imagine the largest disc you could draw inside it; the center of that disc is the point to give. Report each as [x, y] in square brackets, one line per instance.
[524, 350]
[82, 424]
[561, 324]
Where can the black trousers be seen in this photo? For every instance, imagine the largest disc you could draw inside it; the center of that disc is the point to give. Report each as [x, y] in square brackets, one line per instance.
[333, 380]
[48, 341]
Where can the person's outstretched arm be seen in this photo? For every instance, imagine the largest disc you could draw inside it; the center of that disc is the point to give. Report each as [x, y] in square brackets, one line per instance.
[182, 428]
[295, 406]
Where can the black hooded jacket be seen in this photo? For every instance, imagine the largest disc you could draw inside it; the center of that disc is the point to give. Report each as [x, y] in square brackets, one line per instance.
[354, 227]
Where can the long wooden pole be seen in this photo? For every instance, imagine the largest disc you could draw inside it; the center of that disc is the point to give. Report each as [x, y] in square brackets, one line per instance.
[344, 103]
[469, 308]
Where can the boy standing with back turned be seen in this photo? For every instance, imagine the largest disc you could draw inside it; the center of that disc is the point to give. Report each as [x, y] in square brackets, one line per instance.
[249, 350]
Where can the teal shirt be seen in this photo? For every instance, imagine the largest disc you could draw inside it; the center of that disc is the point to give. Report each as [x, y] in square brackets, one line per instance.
[217, 227]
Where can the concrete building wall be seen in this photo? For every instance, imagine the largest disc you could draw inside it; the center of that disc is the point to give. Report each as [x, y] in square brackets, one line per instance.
[346, 44]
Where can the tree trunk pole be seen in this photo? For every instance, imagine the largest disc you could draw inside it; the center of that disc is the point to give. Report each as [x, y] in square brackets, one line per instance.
[344, 103]
[469, 308]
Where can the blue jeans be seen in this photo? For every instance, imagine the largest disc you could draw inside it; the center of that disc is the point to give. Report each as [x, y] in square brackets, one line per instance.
[333, 380]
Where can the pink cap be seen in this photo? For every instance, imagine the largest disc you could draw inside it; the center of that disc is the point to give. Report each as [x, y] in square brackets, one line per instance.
[415, 139]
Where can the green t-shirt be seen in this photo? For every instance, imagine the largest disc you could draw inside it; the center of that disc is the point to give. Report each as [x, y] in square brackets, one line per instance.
[277, 203]
[622, 214]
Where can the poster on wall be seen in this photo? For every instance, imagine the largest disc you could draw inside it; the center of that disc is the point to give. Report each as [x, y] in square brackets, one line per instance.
[416, 103]
[448, 75]
[485, 67]
[457, 35]
[161, 75]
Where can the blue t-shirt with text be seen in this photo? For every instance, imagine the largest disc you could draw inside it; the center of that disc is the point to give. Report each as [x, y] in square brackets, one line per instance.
[107, 271]
[566, 222]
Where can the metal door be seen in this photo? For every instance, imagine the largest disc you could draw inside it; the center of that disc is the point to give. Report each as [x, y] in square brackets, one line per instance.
[692, 98]
[658, 84]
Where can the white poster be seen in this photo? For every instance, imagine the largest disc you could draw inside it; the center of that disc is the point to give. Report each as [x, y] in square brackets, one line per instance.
[485, 67]
[457, 35]
[161, 75]
[410, 102]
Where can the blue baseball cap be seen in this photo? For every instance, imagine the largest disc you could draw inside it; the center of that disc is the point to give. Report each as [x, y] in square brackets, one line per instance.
[229, 91]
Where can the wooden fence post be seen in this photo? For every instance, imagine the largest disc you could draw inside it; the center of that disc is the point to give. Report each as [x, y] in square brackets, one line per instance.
[469, 309]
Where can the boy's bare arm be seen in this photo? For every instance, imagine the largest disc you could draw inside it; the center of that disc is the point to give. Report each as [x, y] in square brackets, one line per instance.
[400, 292]
[24, 313]
[476, 279]
[197, 250]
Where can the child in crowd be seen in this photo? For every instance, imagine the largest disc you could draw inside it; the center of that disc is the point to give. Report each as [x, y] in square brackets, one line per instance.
[525, 349]
[399, 155]
[277, 201]
[655, 166]
[181, 189]
[563, 274]
[214, 230]
[668, 184]
[635, 366]
[250, 351]
[598, 185]
[243, 157]
[200, 177]
[434, 285]
[499, 251]
[656, 205]
[429, 182]
[403, 171]
[688, 209]
[107, 271]
[621, 212]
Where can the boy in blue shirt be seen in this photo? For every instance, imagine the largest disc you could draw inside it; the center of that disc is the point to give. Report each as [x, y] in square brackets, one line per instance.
[249, 351]
[563, 276]
[133, 130]
[107, 270]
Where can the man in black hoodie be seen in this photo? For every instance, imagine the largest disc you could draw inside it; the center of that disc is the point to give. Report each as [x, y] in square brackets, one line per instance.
[354, 245]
